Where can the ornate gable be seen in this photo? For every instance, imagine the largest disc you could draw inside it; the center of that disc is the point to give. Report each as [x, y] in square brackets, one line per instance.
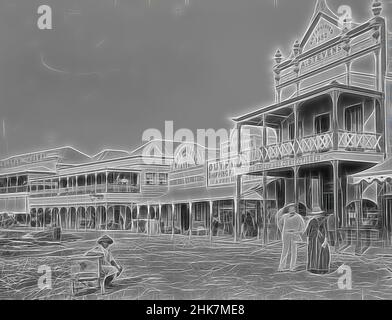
[324, 26]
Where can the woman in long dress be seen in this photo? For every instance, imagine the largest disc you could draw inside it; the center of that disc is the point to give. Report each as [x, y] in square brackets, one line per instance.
[319, 257]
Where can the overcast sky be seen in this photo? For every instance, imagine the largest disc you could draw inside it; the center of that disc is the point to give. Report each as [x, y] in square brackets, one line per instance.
[111, 69]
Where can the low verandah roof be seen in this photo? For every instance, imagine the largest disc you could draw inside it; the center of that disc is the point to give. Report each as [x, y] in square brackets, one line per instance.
[380, 172]
[251, 191]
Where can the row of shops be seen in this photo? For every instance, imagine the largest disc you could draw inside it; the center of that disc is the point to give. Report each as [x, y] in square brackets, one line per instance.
[324, 143]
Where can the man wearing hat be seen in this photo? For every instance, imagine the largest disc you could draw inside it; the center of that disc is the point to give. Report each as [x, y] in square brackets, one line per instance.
[110, 268]
[319, 257]
[292, 226]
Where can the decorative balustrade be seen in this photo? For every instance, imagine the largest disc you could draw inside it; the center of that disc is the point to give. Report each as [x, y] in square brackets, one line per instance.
[347, 141]
[123, 188]
[279, 151]
[14, 189]
[82, 190]
[316, 143]
[352, 141]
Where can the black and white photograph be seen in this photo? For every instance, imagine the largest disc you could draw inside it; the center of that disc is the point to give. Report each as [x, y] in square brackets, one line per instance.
[195, 150]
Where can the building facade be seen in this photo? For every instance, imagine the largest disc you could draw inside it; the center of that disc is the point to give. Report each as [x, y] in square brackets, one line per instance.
[331, 116]
[67, 188]
[331, 119]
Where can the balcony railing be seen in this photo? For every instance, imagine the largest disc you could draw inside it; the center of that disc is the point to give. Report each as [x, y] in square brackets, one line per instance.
[352, 141]
[315, 144]
[123, 188]
[279, 151]
[347, 141]
[82, 190]
[14, 189]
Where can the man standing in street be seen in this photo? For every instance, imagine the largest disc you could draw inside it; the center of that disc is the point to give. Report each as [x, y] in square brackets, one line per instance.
[292, 226]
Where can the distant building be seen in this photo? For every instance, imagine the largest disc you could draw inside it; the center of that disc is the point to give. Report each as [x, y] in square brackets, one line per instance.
[65, 187]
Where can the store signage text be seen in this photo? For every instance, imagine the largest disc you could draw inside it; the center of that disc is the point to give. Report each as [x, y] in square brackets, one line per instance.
[322, 56]
[285, 163]
[21, 160]
[321, 33]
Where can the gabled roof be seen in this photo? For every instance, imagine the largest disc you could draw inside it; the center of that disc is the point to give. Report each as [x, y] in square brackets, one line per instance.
[109, 154]
[156, 148]
[322, 17]
[72, 155]
[322, 7]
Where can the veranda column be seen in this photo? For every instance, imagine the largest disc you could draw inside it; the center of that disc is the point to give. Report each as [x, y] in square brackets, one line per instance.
[211, 203]
[348, 71]
[44, 219]
[107, 215]
[265, 230]
[335, 120]
[137, 218]
[335, 166]
[295, 146]
[237, 200]
[159, 218]
[67, 222]
[173, 207]
[99, 209]
[378, 71]
[265, 175]
[85, 183]
[148, 219]
[296, 170]
[190, 219]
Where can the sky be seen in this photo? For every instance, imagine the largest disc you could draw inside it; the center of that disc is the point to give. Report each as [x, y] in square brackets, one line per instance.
[111, 69]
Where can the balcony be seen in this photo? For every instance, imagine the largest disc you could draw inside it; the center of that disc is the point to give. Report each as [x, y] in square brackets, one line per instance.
[14, 189]
[84, 190]
[316, 144]
[123, 188]
[362, 142]
[279, 151]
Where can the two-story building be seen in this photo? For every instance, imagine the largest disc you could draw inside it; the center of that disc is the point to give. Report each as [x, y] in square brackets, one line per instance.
[65, 187]
[200, 199]
[330, 115]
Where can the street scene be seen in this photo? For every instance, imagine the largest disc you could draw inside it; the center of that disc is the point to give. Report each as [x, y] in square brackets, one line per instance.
[161, 268]
[110, 188]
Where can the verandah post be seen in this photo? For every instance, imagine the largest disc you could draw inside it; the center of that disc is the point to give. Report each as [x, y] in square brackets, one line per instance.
[237, 200]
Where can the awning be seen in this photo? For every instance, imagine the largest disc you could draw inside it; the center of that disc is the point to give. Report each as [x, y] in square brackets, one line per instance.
[251, 191]
[380, 172]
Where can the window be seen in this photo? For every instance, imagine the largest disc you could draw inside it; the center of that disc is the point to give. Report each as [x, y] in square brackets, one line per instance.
[150, 178]
[198, 215]
[322, 123]
[163, 177]
[353, 119]
[301, 129]
[291, 131]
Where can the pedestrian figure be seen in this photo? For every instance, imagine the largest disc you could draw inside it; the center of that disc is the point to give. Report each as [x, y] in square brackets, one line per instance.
[110, 268]
[319, 257]
[292, 226]
[248, 226]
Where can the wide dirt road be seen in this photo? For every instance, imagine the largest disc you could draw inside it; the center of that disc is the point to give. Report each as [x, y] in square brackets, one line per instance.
[164, 268]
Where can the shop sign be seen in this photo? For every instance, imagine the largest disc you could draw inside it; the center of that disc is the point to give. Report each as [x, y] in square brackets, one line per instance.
[287, 163]
[27, 159]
